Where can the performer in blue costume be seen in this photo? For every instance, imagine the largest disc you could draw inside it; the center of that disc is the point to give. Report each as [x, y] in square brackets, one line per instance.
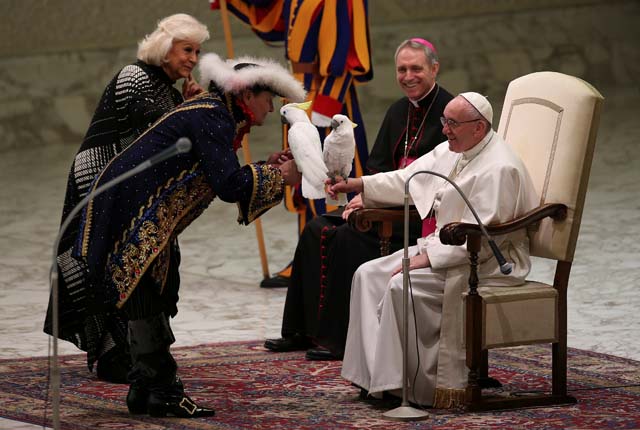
[126, 233]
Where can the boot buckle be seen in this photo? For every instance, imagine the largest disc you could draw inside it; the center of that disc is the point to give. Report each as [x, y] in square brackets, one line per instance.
[188, 405]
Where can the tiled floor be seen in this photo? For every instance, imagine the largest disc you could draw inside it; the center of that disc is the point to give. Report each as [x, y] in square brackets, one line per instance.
[220, 298]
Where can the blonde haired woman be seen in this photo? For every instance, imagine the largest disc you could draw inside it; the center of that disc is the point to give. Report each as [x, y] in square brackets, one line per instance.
[136, 97]
[175, 46]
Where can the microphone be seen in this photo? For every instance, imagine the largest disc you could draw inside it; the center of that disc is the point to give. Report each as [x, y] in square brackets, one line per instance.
[505, 266]
[181, 146]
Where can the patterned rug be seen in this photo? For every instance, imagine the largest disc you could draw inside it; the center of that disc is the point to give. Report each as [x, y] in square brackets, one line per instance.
[251, 388]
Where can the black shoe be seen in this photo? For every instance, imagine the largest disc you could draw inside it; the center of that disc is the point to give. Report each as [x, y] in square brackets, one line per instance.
[137, 399]
[321, 354]
[296, 342]
[181, 406]
[276, 281]
[279, 280]
[138, 395]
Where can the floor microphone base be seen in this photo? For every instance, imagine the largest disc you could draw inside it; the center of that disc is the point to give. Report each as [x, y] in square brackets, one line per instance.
[406, 413]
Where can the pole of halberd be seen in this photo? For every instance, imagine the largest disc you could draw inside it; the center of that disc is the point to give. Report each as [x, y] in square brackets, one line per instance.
[224, 13]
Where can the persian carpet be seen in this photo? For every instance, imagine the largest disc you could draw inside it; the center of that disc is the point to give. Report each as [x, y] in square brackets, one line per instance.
[251, 388]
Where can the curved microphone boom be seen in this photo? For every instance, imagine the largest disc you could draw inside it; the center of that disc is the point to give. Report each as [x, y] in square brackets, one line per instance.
[181, 146]
[505, 266]
[405, 412]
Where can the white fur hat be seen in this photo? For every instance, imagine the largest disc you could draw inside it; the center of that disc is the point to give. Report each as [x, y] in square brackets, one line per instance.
[481, 104]
[246, 72]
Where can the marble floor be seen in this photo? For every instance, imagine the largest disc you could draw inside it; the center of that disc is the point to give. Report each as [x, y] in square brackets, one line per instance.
[220, 297]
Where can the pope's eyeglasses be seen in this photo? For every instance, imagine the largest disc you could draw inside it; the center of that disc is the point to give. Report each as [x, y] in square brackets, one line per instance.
[452, 123]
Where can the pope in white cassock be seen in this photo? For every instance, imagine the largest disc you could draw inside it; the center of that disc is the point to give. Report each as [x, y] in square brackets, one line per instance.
[500, 189]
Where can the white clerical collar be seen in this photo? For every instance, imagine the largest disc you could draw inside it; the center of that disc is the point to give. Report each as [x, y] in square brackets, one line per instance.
[416, 103]
[470, 154]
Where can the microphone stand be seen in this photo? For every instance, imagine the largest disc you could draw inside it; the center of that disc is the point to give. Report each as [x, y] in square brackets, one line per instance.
[405, 412]
[181, 146]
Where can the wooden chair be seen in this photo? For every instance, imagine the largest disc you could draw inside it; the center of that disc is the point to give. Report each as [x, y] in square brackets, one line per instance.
[551, 120]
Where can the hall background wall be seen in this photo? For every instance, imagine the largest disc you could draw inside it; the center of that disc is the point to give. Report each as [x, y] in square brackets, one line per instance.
[56, 56]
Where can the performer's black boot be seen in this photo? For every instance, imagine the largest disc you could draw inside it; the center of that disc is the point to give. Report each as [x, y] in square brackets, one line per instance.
[138, 398]
[172, 401]
[114, 365]
[155, 388]
[149, 341]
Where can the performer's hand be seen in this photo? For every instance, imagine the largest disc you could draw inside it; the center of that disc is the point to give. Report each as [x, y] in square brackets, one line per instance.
[351, 185]
[419, 261]
[354, 203]
[277, 158]
[290, 172]
[190, 88]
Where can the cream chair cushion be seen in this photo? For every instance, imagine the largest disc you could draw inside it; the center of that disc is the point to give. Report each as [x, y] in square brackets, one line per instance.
[519, 315]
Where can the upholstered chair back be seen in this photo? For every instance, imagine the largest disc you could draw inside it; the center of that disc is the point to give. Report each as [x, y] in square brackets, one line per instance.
[554, 134]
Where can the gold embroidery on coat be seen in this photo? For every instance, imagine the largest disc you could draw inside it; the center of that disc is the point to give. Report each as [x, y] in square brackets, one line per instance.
[86, 231]
[268, 190]
[174, 213]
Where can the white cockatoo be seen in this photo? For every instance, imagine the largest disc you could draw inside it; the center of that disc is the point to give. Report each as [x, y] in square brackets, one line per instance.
[304, 141]
[339, 150]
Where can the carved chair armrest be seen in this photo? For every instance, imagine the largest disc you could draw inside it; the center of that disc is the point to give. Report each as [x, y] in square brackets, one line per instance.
[364, 219]
[456, 233]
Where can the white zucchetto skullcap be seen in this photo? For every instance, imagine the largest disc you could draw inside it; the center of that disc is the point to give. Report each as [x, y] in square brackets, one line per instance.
[481, 104]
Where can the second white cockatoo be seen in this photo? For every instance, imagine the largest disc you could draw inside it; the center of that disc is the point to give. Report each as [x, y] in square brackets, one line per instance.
[339, 150]
[306, 148]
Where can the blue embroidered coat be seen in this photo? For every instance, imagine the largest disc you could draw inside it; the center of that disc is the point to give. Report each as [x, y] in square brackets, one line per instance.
[127, 230]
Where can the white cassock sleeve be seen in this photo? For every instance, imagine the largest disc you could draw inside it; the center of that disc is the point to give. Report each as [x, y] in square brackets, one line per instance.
[387, 189]
[492, 193]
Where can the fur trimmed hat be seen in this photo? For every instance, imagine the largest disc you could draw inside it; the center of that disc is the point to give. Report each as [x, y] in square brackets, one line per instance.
[248, 72]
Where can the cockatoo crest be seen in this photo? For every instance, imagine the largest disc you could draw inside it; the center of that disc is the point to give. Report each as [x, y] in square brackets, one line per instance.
[294, 112]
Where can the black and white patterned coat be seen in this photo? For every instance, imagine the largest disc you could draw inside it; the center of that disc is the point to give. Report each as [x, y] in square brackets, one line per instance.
[134, 99]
